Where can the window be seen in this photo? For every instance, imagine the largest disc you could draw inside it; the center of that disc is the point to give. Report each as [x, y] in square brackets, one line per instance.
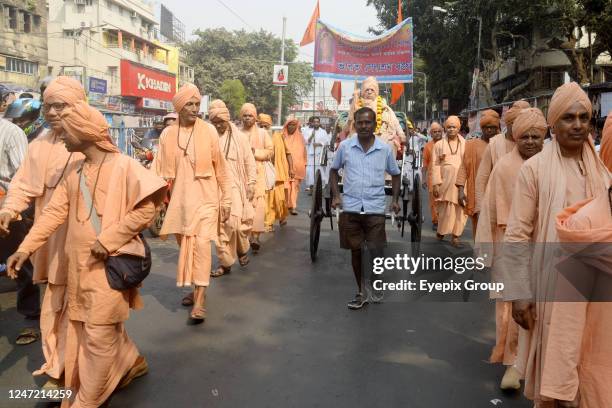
[36, 21]
[12, 15]
[27, 22]
[21, 66]
[68, 33]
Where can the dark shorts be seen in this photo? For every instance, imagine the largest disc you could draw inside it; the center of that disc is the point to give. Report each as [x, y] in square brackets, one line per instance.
[357, 229]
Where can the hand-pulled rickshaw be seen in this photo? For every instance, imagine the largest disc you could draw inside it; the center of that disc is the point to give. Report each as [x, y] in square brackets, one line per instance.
[410, 193]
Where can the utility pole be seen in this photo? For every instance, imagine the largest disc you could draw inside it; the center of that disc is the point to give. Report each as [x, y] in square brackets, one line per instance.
[478, 63]
[280, 88]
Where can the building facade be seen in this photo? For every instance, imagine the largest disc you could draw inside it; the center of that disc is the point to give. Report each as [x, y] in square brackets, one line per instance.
[111, 47]
[23, 42]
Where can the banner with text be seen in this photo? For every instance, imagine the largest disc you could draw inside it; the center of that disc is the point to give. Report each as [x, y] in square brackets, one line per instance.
[343, 56]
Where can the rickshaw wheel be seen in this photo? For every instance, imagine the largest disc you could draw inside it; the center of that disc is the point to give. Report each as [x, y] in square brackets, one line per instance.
[316, 215]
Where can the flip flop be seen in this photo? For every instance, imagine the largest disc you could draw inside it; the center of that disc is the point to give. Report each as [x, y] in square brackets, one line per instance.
[220, 271]
[27, 336]
[255, 246]
[188, 300]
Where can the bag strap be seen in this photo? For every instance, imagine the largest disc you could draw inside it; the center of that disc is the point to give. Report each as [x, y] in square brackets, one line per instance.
[95, 220]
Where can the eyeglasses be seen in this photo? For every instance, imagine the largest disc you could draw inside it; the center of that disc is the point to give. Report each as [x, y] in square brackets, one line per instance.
[58, 107]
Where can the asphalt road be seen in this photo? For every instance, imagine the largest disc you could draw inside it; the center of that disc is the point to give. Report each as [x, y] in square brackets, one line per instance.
[279, 334]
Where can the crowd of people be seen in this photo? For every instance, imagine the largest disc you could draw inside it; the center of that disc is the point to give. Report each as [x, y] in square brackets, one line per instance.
[232, 183]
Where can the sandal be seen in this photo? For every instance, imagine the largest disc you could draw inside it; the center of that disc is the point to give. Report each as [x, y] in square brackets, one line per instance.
[255, 246]
[440, 237]
[198, 313]
[293, 212]
[243, 260]
[220, 271]
[283, 223]
[188, 300]
[456, 243]
[27, 336]
[139, 369]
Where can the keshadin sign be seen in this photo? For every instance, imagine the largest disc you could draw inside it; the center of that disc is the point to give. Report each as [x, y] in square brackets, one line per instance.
[143, 82]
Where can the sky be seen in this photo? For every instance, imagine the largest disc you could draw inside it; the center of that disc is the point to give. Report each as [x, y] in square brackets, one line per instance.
[353, 16]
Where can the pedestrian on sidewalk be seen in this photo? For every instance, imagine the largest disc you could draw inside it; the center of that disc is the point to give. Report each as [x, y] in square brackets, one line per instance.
[364, 160]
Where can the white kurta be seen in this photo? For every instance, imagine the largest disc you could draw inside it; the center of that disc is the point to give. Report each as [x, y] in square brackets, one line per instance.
[311, 137]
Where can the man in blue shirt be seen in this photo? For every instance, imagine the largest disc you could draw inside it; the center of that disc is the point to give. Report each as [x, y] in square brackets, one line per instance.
[364, 160]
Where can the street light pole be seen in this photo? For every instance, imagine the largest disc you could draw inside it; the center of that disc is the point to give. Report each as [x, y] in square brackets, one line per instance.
[425, 94]
[280, 88]
[478, 62]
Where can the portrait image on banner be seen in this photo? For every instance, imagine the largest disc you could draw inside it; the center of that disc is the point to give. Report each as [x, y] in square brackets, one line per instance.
[343, 56]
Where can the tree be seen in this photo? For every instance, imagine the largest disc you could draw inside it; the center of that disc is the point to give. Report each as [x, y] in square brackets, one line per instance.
[219, 55]
[232, 92]
[510, 29]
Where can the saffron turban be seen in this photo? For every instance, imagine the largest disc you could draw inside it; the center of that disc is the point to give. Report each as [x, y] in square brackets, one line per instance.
[606, 143]
[528, 119]
[489, 118]
[87, 124]
[217, 109]
[183, 96]
[514, 111]
[453, 120]
[66, 89]
[264, 118]
[248, 108]
[370, 82]
[563, 98]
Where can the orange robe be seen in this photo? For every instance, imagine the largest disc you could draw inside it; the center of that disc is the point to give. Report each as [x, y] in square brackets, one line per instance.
[98, 351]
[605, 151]
[588, 221]
[233, 234]
[446, 164]
[498, 146]
[261, 142]
[494, 212]
[547, 183]
[201, 185]
[427, 165]
[276, 204]
[35, 181]
[297, 148]
[466, 177]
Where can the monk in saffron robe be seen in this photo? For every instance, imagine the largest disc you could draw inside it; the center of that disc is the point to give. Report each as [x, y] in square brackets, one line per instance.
[99, 356]
[606, 143]
[189, 155]
[447, 158]
[276, 203]
[499, 145]
[590, 323]
[294, 140]
[528, 131]
[436, 131]
[474, 149]
[566, 172]
[263, 150]
[41, 172]
[236, 149]
[388, 128]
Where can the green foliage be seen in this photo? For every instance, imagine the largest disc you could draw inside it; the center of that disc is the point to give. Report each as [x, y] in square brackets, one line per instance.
[447, 42]
[232, 92]
[218, 55]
